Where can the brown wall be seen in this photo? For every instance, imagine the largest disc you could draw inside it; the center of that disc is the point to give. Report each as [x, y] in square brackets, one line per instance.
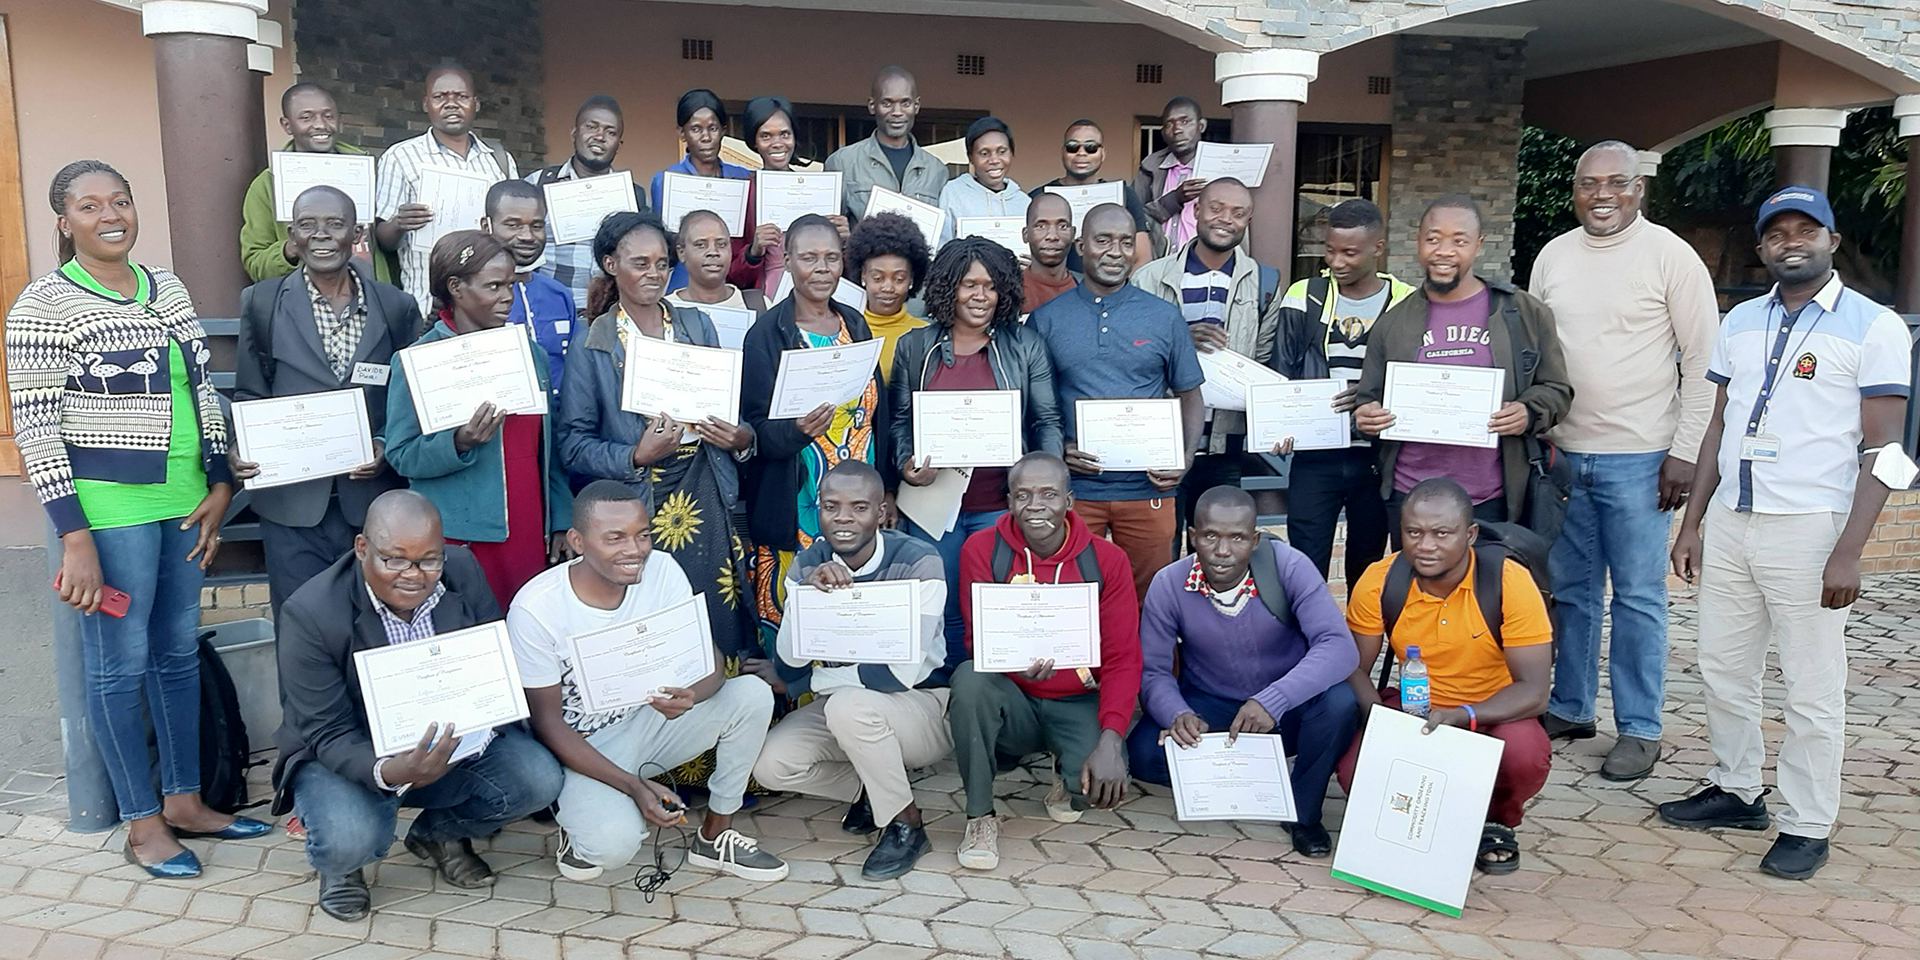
[1670, 97]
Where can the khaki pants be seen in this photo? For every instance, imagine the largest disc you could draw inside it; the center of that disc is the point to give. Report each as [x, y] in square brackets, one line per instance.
[1760, 580]
[854, 738]
[1142, 528]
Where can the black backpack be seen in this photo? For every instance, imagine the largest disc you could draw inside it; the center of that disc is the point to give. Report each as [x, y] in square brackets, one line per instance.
[223, 734]
[1498, 542]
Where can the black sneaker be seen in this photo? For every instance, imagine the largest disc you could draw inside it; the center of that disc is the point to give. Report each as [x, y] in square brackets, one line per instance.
[859, 818]
[1795, 858]
[1558, 729]
[1714, 807]
[1310, 839]
[900, 846]
[346, 898]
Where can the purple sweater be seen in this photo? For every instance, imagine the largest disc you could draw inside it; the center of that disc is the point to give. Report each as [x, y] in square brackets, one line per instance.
[1247, 657]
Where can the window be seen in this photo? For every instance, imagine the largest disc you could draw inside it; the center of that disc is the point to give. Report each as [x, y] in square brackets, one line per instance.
[1337, 161]
[1379, 86]
[1147, 73]
[691, 49]
[970, 65]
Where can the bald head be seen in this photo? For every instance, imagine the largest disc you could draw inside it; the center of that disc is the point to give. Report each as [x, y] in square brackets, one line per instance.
[893, 73]
[399, 515]
[324, 200]
[1228, 190]
[1108, 215]
[1224, 503]
[1049, 206]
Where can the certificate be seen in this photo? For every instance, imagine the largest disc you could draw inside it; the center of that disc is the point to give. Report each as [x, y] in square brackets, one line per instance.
[1242, 780]
[576, 207]
[685, 192]
[451, 378]
[685, 382]
[1015, 624]
[1004, 231]
[1245, 162]
[1082, 198]
[458, 199]
[1228, 376]
[967, 428]
[875, 622]
[1416, 809]
[626, 665]
[844, 292]
[292, 173]
[926, 216]
[782, 196]
[466, 679]
[935, 506]
[1437, 403]
[1131, 434]
[731, 323]
[305, 437]
[811, 376]
[1301, 409]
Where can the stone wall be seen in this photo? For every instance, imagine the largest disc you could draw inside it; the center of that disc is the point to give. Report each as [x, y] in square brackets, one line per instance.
[374, 56]
[1456, 129]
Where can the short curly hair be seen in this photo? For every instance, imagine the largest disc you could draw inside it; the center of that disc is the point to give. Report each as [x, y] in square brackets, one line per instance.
[943, 279]
[885, 234]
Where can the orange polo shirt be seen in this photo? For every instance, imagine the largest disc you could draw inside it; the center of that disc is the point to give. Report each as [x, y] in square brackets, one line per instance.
[1465, 664]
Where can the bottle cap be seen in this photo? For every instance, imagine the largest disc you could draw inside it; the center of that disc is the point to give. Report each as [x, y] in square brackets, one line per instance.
[1413, 653]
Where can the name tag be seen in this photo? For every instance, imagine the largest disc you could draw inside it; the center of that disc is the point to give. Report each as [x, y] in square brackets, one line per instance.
[371, 374]
[1761, 448]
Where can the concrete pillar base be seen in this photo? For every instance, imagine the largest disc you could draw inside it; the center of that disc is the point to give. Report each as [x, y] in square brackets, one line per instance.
[1265, 89]
[1650, 163]
[1803, 140]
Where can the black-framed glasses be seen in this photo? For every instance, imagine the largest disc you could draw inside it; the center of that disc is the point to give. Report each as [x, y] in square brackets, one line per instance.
[1082, 146]
[401, 564]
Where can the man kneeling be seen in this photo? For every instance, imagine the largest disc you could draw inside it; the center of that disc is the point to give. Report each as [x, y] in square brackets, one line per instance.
[1257, 655]
[867, 724]
[607, 801]
[402, 583]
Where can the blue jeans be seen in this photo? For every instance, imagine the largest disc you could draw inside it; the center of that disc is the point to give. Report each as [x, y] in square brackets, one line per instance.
[970, 522]
[1614, 527]
[149, 655]
[350, 826]
[1317, 732]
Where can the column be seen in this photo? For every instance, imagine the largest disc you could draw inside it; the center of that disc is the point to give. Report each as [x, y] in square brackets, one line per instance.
[1803, 141]
[1265, 89]
[1650, 162]
[208, 111]
[260, 64]
[1907, 109]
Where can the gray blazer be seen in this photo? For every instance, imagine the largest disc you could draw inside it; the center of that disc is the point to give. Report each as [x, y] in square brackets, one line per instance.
[290, 361]
[864, 165]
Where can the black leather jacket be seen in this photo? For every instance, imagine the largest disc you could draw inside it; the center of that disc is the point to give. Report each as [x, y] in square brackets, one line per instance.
[1018, 356]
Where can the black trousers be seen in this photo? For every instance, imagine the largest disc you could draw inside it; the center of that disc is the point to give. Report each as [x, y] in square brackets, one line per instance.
[296, 554]
[1321, 484]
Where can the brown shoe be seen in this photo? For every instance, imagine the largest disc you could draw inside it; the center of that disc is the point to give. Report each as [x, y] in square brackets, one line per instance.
[1630, 759]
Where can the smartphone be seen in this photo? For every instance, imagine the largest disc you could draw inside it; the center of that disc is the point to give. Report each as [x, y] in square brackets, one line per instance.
[113, 602]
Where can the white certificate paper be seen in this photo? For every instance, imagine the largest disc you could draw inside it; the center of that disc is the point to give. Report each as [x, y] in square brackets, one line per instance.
[1015, 624]
[1301, 409]
[686, 192]
[873, 622]
[467, 678]
[1004, 231]
[936, 506]
[811, 376]
[967, 428]
[1245, 162]
[782, 196]
[1082, 198]
[1414, 814]
[926, 216]
[576, 207]
[451, 378]
[458, 199]
[1243, 780]
[1437, 403]
[626, 665]
[293, 172]
[1131, 434]
[1228, 376]
[731, 323]
[304, 437]
[685, 382]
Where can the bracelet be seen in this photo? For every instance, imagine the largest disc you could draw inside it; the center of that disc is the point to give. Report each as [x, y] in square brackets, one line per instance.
[1473, 719]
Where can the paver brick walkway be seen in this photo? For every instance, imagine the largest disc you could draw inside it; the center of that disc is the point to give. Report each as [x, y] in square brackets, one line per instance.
[1602, 878]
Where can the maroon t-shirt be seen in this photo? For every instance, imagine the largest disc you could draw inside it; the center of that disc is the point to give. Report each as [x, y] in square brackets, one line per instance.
[988, 489]
[1456, 335]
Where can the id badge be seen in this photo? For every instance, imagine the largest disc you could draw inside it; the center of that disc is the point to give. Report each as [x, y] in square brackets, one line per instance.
[1760, 448]
[563, 327]
[371, 374]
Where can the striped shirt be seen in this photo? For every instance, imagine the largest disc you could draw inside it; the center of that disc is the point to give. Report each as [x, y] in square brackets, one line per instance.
[1204, 292]
[398, 181]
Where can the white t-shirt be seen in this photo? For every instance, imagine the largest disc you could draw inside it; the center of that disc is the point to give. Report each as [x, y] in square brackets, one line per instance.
[546, 612]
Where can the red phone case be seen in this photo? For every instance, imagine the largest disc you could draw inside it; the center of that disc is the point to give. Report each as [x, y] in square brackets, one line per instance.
[113, 601]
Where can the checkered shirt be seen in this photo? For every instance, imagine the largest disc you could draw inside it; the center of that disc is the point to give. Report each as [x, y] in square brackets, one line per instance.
[340, 330]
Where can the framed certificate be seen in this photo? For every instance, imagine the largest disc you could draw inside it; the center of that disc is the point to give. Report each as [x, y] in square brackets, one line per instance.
[782, 196]
[304, 437]
[873, 622]
[1228, 376]
[293, 173]
[1004, 231]
[466, 679]
[1301, 409]
[926, 216]
[1439, 403]
[967, 428]
[1082, 198]
[811, 376]
[685, 382]
[450, 378]
[575, 207]
[1015, 624]
[1245, 162]
[686, 192]
[626, 665]
[1132, 434]
[1245, 779]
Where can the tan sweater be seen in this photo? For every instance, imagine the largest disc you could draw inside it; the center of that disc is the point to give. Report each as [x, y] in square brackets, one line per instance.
[1624, 306]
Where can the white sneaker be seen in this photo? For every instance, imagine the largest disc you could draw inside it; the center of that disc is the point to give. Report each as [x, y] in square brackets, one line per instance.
[980, 848]
[735, 853]
[1059, 805]
[572, 865]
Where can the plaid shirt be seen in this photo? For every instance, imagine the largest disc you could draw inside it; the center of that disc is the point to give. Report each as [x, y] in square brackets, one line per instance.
[397, 181]
[1229, 604]
[340, 331]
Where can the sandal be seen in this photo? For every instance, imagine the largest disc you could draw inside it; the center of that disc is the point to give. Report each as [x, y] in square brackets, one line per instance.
[1497, 838]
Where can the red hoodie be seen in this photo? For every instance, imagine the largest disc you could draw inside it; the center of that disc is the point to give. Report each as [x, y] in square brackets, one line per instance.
[1119, 673]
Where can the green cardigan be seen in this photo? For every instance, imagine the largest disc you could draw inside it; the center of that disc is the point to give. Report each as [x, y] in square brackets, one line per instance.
[262, 238]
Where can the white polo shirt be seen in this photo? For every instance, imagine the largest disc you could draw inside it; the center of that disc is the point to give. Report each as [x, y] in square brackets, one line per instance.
[1799, 379]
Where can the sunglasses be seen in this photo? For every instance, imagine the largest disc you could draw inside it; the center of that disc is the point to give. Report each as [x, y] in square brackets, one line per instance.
[1077, 146]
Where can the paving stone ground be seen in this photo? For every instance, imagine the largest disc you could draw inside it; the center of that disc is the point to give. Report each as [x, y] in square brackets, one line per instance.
[1602, 878]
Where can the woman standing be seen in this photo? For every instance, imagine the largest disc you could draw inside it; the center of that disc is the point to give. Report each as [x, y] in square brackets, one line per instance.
[984, 190]
[123, 439]
[888, 256]
[701, 121]
[976, 342]
[783, 478]
[769, 129]
[500, 489]
[687, 473]
[705, 253]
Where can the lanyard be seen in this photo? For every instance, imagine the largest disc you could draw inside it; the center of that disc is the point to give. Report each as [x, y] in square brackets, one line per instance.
[1770, 378]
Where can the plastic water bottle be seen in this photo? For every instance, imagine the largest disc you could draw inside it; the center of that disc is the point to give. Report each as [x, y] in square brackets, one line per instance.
[1413, 684]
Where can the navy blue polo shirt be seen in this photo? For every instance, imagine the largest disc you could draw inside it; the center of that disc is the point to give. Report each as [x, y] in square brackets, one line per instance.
[1129, 344]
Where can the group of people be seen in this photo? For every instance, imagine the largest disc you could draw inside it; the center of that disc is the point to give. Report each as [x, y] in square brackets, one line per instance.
[1615, 363]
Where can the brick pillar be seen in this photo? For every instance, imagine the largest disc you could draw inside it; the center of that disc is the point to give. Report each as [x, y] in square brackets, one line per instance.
[1803, 140]
[1907, 108]
[1265, 88]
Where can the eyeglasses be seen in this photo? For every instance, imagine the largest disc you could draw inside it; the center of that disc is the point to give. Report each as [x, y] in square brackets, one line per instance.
[1082, 146]
[1590, 184]
[401, 564]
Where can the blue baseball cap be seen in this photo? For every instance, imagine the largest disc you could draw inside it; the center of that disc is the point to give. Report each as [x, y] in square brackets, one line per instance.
[1807, 200]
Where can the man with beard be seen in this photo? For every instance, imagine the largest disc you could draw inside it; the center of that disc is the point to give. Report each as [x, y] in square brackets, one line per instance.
[1049, 237]
[1224, 296]
[1809, 376]
[890, 158]
[1627, 295]
[1165, 181]
[450, 106]
[517, 217]
[311, 122]
[598, 131]
[1082, 154]
[1460, 319]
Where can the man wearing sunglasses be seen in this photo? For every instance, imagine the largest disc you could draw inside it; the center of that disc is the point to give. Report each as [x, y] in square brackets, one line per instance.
[1081, 156]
